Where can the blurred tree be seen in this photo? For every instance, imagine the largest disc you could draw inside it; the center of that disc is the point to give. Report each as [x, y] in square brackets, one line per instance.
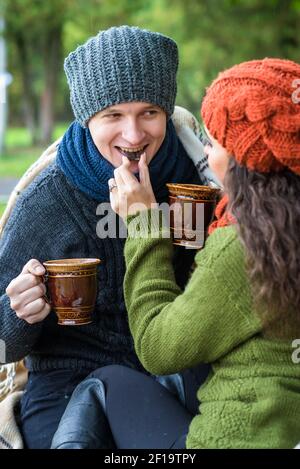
[217, 34]
[35, 27]
[36, 30]
[211, 35]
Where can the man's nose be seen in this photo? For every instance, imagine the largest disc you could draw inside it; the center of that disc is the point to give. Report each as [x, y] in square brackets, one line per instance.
[133, 132]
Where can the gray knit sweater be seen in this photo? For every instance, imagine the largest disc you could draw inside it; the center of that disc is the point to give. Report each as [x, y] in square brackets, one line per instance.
[54, 220]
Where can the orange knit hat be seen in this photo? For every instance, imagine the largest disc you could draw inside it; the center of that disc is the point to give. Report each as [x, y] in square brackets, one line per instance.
[251, 109]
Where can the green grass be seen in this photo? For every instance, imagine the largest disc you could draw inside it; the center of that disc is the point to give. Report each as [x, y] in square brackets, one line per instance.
[15, 161]
[2, 207]
[19, 155]
[18, 137]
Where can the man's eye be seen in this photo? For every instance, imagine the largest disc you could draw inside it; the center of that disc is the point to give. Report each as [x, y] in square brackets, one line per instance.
[151, 112]
[112, 116]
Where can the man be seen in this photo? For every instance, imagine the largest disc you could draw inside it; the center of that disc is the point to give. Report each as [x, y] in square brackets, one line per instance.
[123, 88]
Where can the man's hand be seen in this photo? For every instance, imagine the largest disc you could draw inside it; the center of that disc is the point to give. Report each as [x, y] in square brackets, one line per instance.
[26, 293]
[127, 194]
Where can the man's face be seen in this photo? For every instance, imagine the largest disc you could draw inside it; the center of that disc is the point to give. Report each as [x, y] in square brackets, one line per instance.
[128, 129]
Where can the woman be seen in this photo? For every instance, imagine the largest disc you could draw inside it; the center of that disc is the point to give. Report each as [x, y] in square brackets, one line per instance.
[240, 310]
[123, 89]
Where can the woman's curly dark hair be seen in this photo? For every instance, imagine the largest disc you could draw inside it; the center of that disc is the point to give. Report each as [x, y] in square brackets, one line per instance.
[267, 210]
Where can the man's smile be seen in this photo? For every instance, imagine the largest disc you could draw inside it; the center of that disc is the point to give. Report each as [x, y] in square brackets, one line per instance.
[132, 153]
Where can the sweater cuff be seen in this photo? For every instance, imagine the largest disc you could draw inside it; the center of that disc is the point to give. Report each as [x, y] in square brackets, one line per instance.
[149, 223]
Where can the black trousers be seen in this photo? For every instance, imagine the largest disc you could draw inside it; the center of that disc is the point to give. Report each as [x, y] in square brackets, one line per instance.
[139, 411]
[48, 393]
[43, 403]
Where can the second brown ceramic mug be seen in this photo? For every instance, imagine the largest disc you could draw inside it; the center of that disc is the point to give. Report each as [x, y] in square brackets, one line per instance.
[192, 209]
[72, 289]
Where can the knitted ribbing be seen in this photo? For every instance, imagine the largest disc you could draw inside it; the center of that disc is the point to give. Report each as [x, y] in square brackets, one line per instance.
[122, 64]
[252, 111]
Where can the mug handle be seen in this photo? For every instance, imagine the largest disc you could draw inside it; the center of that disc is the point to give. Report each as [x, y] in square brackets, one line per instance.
[45, 282]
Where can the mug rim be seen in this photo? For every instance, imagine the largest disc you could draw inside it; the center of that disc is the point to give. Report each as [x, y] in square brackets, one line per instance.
[72, 263]
[193, 190]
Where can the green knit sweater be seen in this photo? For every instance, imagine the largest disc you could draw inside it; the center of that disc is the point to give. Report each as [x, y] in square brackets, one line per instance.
[251, 398]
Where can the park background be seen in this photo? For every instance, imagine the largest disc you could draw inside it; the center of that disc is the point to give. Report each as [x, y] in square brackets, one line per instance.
[211, 35]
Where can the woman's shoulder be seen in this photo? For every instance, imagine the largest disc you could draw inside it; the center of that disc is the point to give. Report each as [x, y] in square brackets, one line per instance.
[223, 260]
[223, 246]
[223, 239]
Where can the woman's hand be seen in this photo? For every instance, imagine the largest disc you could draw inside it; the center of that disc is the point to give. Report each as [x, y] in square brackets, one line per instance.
[127, 195]
[27, 293]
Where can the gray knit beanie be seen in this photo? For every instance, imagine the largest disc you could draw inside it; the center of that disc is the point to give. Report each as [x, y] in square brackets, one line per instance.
[122, 64]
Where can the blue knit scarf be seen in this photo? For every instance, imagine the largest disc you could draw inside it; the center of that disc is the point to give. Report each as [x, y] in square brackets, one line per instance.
[85, 167]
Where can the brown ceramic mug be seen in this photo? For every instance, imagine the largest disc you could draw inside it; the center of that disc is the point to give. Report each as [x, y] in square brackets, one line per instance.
[72, 289]
[191, 211]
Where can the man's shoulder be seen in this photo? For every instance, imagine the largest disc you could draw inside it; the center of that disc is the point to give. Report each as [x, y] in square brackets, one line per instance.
[44, 185]
[43, 195]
